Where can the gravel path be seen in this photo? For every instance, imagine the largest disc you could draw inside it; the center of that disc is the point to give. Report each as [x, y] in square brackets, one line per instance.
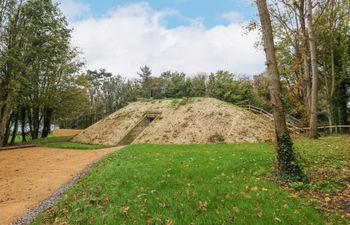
[50, 201]
[33, 179]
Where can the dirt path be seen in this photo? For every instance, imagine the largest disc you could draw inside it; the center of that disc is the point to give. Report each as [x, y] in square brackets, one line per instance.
[28, 176]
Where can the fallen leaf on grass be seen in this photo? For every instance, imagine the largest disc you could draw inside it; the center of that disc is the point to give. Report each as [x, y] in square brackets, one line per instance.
[91, 220]
[163, 204]
[62, 223]
[106, 199]
[294, 195]
[52, 209]
[258, 212]
[246, 196]
[149, 221]
[169, 222]
[64, 211]
[203, 205]
[125, 209]
[277, 219]
[235, 209]
[141, 195]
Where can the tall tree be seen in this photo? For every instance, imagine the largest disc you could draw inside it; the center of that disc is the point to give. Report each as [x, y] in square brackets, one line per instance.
[288, 168]
[145, 76]
[49, 57]
[11, 67]
[314, 69]
[36, 63]
[306, 65]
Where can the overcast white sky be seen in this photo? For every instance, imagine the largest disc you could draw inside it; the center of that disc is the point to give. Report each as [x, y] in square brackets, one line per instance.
[125, 37]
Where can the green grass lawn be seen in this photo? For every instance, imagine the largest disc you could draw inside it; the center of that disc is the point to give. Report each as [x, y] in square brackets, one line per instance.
[58, 142]
[72, 145]
[193, 184]
[63, 142]
[18, 139]
[326, 162]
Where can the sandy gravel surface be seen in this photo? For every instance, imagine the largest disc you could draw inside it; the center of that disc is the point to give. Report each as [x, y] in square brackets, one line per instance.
[28, 176]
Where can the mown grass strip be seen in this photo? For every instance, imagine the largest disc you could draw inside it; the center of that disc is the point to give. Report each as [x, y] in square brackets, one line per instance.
[64, 142]
[184, 184]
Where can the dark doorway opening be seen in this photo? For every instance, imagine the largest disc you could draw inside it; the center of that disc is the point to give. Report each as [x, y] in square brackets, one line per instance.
[138, 128]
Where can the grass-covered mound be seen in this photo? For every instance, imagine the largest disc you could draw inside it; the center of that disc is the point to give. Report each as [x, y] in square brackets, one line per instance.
[192, 184]
[179, 121]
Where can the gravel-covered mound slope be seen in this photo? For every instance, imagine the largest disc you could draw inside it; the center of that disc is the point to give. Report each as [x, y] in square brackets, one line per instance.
[182, 121]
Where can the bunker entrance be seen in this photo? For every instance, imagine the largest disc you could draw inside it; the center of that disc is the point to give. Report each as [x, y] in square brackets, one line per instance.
[148, 118]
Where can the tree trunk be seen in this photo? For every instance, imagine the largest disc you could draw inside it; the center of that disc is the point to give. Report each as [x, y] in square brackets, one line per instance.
[10, 73]
[314, 88]
[332, 88]
[15, 129]
[330, 114]
[36, 123]
[30, 121]
[23, 124]
[47, 122]
[306, 65]
[4, 120]
[287, 166]
[7, 131]
[329, 89]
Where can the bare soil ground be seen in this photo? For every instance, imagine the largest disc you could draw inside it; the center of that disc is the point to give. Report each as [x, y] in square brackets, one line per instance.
[192, 121]
[65, 132]
[28, 176]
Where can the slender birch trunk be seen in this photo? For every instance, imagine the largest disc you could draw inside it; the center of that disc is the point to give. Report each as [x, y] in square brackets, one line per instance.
[314, 69]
